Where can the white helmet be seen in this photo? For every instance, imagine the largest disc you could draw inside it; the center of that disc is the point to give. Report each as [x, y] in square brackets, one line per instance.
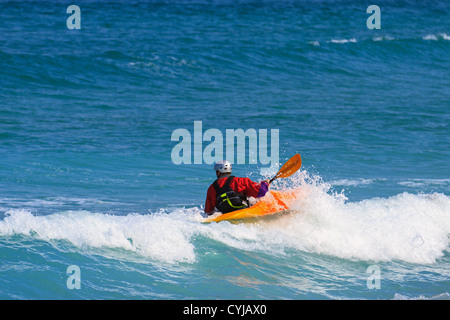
[223, 166]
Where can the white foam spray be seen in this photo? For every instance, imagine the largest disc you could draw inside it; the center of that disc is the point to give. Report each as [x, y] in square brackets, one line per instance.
[406, 227]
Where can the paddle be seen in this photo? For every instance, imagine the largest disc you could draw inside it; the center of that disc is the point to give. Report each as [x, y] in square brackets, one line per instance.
[289, 168]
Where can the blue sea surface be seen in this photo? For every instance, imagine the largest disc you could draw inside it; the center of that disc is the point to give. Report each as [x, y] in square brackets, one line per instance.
[87, 177]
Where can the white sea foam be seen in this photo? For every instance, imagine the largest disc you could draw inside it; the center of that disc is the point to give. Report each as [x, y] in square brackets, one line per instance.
[353, 40]
[442, 296]
[352, 182]
[424, 182]
[434, 37]
[407, 227]
[383, 38]
[158, 236]
[430, 37]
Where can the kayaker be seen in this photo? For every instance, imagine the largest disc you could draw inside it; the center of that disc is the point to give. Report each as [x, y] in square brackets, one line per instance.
[229, 193]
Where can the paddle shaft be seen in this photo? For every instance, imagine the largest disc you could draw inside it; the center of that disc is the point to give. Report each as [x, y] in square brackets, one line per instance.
[289, 168]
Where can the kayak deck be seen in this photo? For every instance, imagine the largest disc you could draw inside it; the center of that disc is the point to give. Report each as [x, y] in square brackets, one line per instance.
[272, 203]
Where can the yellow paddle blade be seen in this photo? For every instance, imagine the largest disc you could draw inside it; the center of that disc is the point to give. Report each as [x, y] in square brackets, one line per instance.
[290, 167]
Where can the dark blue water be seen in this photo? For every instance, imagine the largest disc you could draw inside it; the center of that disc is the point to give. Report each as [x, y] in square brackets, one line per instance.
[87, 177]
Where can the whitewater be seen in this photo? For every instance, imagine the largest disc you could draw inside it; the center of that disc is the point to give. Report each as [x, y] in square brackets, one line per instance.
[403, 229]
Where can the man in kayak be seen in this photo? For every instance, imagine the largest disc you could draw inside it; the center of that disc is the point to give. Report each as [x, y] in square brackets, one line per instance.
[229, 193]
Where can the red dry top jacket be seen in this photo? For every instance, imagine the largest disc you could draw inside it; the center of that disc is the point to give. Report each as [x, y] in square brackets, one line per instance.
[239, 185]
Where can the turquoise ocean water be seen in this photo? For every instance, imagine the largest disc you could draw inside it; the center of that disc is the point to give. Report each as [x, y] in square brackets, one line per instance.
[87, 178]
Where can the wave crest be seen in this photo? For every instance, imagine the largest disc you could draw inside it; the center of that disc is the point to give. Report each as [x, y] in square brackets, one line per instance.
[407, 227]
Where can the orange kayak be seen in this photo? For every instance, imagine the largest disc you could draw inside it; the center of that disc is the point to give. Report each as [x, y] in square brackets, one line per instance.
[272, 203]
